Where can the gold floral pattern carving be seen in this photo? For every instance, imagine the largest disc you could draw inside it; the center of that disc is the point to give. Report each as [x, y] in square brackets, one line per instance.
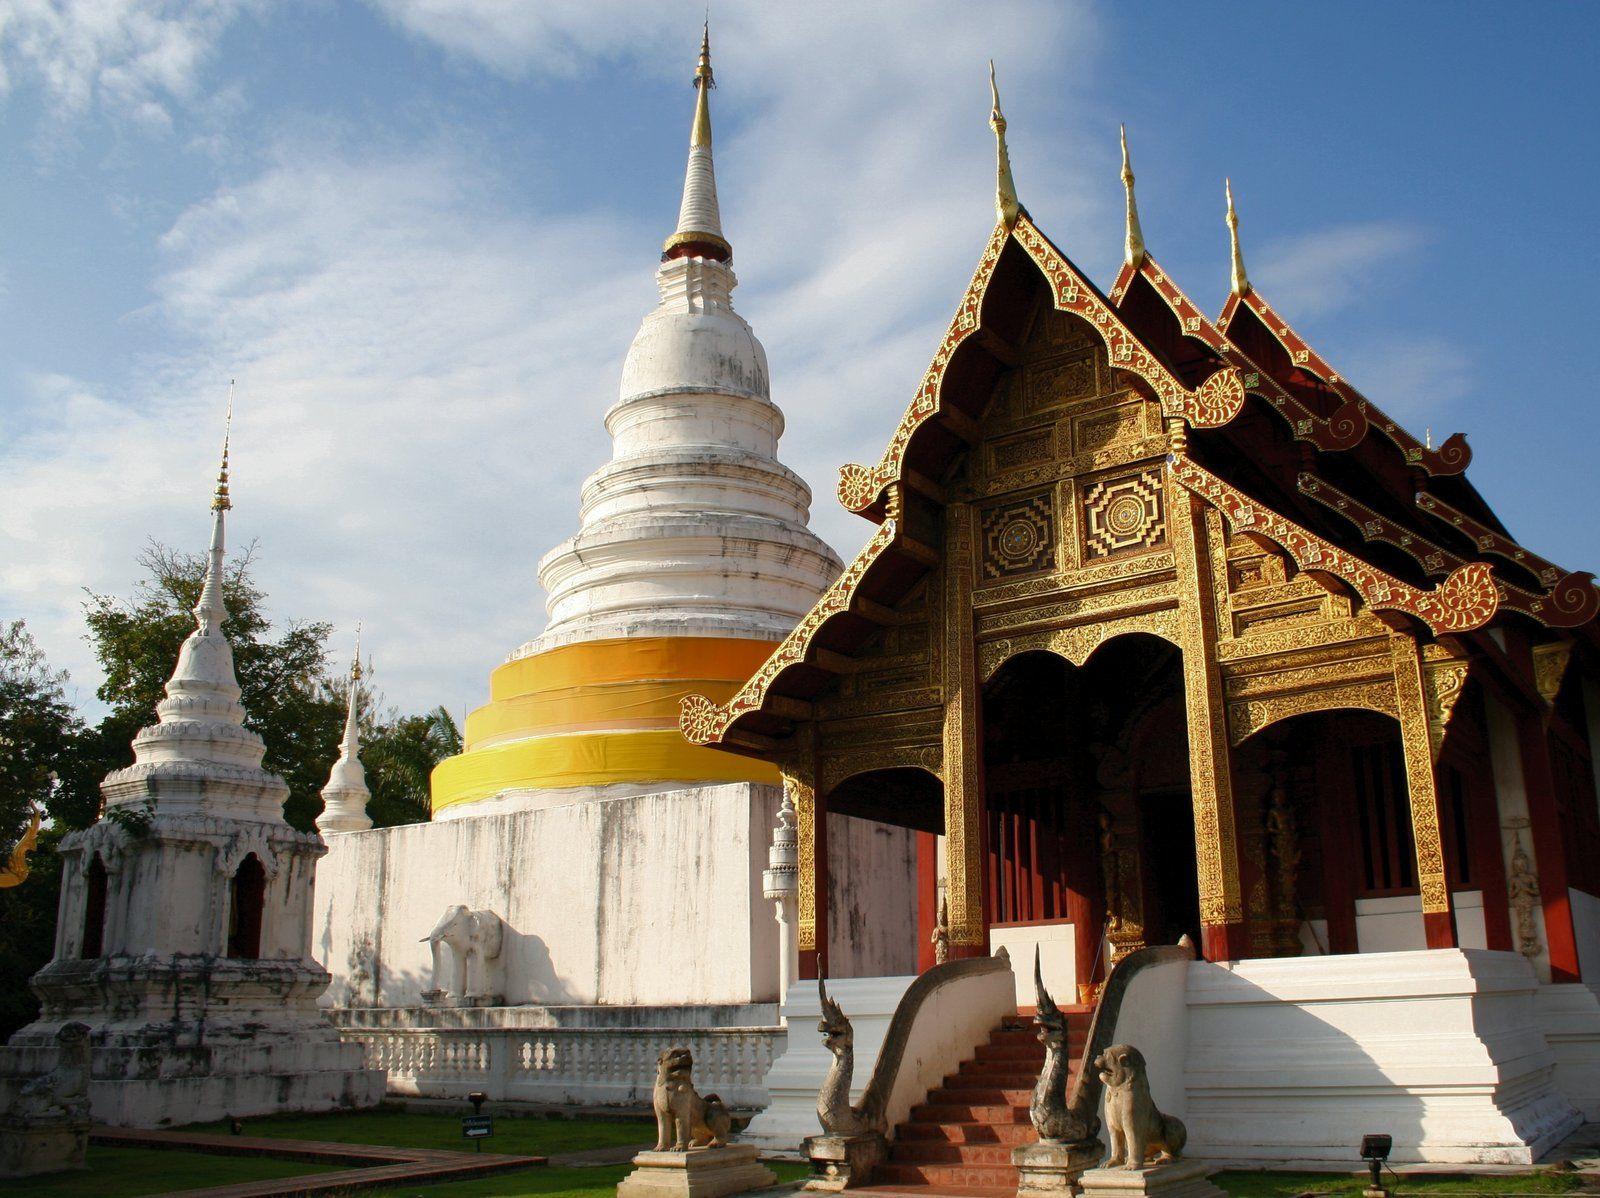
[1550, 668]
[835, 769]
[963, 763]
[1443, 682]
[1467, 599]
[1218, 399]
[800, 791]
[1076, 644]
[1248, 716]
[1411, 703]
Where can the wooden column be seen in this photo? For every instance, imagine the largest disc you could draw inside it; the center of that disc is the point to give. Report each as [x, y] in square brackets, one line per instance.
[963, 745]
[927, 898]
[1216, 844]
[1438, 910]
[811, 834]
[1549, 847]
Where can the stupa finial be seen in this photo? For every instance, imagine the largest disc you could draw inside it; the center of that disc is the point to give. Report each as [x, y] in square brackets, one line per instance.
[209, 610]
[1133, 242]
[220, 501]
[1005, 193]
[699, 231]
[1241, 281]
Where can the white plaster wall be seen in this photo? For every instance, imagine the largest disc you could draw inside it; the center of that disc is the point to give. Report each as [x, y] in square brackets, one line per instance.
[1058, 959]
[1570, 1013]
[1154, 1018]
[645, 900]
[872, 898]
[1394, 923]
[1291, 1060]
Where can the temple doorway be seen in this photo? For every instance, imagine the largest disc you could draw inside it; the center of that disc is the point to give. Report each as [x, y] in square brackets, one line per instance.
[1089, 826]
[1172, 889]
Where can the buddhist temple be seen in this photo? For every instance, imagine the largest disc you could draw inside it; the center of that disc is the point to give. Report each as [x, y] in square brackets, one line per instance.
[1166, 630]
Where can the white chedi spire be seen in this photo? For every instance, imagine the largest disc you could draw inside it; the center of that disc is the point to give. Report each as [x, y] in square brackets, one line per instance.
[694, 528]
[346, 794]
[699, 218]
[198, 756]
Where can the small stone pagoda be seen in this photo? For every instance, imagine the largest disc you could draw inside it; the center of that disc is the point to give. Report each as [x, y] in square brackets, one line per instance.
[183, 935]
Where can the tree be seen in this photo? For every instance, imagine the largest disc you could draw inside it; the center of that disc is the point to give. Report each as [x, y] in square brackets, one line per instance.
[399, 755]
[41, 741]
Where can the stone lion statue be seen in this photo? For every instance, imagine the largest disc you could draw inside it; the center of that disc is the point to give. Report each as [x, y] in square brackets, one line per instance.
[684, 1119]
[63, 1092]
[1133, 1124]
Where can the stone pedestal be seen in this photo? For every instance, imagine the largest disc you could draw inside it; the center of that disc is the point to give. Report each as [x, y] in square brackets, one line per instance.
[697, 1173]
[1051, 1170]
[840, 1162]
[32, 1146]
[1177, 1179]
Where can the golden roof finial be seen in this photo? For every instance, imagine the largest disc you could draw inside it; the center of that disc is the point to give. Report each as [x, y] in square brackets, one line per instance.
[355, 662]
[220, 502]
[704, 81]
[1005, 194]
[1241, 281]
[1133, 243]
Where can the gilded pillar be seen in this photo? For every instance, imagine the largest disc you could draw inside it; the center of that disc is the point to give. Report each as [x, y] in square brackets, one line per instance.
[1216, 843]
[811, 841]
[963, 753]
[1410, 690]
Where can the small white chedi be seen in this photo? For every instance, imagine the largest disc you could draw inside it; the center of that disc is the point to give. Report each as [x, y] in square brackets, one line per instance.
[344, 798]
[183, 933]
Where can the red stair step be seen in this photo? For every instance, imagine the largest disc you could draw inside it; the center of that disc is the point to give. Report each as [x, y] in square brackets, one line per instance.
[966, 1133]
[991, 1176]
[929, 1112]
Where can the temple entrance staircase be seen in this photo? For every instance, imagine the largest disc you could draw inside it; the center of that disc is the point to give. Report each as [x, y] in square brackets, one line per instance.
[958, 1140]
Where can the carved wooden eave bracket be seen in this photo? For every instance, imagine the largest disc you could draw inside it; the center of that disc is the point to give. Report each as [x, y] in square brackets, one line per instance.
[1570, 597]
[1452, 457]
[1214, 403]
[1343, 430]
[1444, 676]
[703, 722]
[1571, 600]
[1550, 662]
[1467, 599]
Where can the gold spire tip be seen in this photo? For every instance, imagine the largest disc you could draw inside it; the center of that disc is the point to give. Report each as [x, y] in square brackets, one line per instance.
[702, 71]
[1133, 240]
[1241, 281]
[704, 81]
[220, 501]
[1005, 195]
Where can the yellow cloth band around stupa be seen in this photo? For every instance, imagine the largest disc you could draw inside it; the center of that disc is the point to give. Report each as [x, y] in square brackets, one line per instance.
[597, 713]
[589, 759]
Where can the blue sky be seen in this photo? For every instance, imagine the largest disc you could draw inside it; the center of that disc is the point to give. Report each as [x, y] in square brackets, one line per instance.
[421, 233]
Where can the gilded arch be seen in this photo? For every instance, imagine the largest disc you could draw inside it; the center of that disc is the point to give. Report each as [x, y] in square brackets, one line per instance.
[1077, 644]
[1246, 717]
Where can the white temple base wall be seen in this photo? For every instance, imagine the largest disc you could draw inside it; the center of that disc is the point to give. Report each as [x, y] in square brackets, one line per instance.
[1292, 1060]
[1570, 1016]
[796, 1076]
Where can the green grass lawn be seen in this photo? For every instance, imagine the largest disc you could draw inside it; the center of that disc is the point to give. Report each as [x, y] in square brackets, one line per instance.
[528, 1135]
[1290, 1185]
[599, 1182]
[119, 1172]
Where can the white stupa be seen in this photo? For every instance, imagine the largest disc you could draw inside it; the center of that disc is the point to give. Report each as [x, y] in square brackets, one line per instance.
[692, 560]
[183, 937]
[344, 798]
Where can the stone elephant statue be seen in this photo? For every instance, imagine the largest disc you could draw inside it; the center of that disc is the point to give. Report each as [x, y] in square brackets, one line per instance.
[474, 939]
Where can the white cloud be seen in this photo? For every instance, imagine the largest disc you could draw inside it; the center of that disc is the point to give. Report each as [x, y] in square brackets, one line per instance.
[1413, 379]
[133, 58]
[1330, 269]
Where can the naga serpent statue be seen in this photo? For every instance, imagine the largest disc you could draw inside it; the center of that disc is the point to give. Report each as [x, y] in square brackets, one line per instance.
[837, 1116]
[1053, 1117]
